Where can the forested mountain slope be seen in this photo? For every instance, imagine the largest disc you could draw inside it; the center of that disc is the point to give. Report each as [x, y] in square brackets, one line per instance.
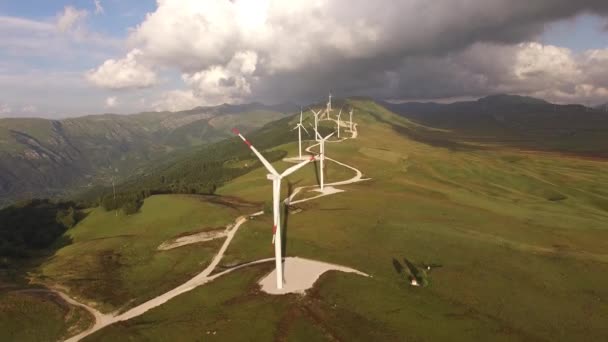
[40, 157]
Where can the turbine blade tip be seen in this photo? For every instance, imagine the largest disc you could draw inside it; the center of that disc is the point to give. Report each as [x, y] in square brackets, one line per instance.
[236, 131]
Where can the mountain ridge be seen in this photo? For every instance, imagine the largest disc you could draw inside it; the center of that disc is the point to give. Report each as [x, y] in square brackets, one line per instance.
[516, 121]
[58, 155]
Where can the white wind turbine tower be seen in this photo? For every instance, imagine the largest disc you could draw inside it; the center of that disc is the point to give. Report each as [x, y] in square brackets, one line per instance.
[322, 156]
[276, 178]
[114, 191]
[300, 127]
[339, 114]
[350, 123]
[328, 110]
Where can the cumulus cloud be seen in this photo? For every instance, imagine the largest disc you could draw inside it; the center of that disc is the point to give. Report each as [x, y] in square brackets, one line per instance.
[5, 109]
[70, 18]
[98, 8]
[176, 100]
[29, 109]
[128, 72]
[111, 101]
[271, 50]
[218, 84]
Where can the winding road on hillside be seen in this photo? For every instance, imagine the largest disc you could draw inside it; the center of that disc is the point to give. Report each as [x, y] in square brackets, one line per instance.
[102, 320]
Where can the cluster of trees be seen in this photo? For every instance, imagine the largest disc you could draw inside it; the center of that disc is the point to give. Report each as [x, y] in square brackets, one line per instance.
[34, 225]
[129, 203]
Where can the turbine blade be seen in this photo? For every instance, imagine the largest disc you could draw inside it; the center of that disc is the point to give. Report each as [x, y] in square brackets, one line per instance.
[257, 153]
[296, 167]
[304, 129]
[317, 134]
[327, 137]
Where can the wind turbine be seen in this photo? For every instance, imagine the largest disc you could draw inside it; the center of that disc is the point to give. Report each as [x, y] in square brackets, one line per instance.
[299, 127]
[322, 155]
[276, 178]
[114, 191]
[316, 114]
[328, 109]
[339, 114]
[351, 120]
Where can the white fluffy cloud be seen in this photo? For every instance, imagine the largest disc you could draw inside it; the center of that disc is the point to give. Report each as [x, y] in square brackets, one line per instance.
[5, 109]
[70, 18]
[177, 100]
[272, 50]
[128, 72]
[215, 85]
[111, 101]
[98, 8]
[29, 109]
[228, 83]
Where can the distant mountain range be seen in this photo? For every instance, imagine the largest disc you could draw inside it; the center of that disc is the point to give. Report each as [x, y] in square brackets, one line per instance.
[602, 107]
[519, 121]
[40, 157]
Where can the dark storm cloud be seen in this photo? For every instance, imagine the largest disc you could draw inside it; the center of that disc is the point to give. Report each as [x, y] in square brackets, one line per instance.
[397, 49]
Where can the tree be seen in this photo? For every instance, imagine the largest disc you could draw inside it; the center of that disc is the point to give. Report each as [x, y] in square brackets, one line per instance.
[131, 207]
[67, 217]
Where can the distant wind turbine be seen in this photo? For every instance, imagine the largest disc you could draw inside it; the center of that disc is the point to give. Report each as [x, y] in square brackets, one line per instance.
[351, 119]
[276, 178]
[114, 191]
[328, 108]
[300, 127]
[339, 115]
[316, 115]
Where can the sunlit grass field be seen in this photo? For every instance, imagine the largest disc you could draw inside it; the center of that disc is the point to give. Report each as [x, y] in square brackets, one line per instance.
[113, 261]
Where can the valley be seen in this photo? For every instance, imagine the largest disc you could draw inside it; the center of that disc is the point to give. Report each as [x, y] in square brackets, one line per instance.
[41, 158]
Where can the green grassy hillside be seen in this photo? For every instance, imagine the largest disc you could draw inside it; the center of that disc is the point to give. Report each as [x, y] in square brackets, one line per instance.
[35, 315]
[517, 240]
[113, 261]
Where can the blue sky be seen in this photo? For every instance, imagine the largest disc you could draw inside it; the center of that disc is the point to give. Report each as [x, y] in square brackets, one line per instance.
[119, 14]
[580, 33]
[59, 88]
[43, 64]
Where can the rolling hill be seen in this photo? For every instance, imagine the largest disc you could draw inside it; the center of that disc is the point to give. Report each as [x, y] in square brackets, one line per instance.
[516, 241]
[41, 157]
